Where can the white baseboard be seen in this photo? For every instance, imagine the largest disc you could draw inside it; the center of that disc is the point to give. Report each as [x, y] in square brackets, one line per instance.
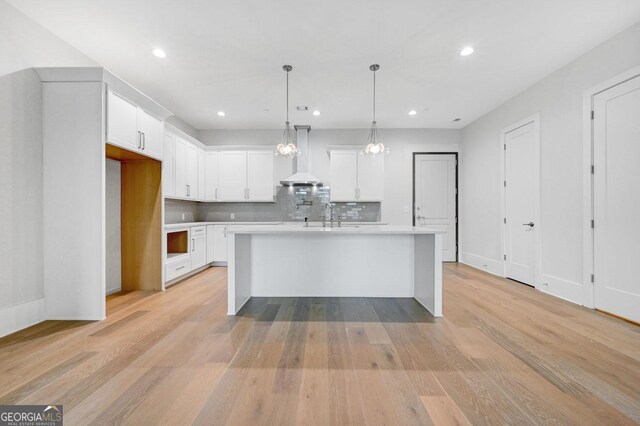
[491, 266]
[18, 317]
[570, 291]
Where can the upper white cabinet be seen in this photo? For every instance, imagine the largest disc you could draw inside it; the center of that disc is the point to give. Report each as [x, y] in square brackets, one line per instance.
[169, 166]
[151, 134]
[260, 176]
[211, 176]
[132, 128]
[189, 172]
[356, 177]
[344, 175]
[233, 175]
[186, 170]
[192, 171]
[201, 175]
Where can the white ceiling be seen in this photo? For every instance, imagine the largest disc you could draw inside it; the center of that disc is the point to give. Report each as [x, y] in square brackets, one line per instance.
[228, 55]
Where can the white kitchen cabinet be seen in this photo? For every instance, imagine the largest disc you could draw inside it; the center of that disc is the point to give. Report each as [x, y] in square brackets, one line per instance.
[192, 172]
[344, 175]
[260, 176]
[198, 247]
[219, 243]
[201, 175]
[210, 243]
[132, 128]
[370, 178]
[169, 165]
[151, 134]
[180, 168]
[356, 177]
[211, 176]
[122, 122]
[233, 176]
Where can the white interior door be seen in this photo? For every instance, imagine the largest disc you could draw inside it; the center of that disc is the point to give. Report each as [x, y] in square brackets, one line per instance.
[435, 198]
[520, 175]
[616, 197]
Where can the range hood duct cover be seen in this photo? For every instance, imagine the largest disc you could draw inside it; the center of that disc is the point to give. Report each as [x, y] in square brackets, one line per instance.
[301, 175]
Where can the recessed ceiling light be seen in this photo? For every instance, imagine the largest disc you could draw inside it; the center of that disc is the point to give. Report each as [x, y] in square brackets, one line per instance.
[412, 112]
[159, 53]
[221, 113]
[466, 51]
[316, 113]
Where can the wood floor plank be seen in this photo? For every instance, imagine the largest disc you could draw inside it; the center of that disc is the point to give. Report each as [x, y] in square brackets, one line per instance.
[503, 353]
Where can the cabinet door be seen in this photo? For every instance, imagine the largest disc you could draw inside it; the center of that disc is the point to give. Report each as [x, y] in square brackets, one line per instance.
[168, 166]
[344, 175]
[201, 175]
[370, 178]
[192, 171]
[151, 129]
[198, 251]
[181, 168]
[233, 176]
[122, 122]
[211, 176]
[219, 243]
[210, 243]
[260, 176]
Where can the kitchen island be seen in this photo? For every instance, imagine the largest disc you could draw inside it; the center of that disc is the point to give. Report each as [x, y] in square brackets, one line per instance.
[347, 261]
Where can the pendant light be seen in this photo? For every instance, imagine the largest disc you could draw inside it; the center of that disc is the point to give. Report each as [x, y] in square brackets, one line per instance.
[374, 145]
[287, 146]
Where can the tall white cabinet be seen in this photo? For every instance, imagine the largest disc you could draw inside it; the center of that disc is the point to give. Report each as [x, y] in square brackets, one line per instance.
[356, 177]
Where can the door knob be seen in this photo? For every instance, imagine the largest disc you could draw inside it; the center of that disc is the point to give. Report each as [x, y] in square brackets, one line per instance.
[531, 224]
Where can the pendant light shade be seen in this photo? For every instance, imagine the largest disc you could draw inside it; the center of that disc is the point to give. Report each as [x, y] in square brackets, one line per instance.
[287, 146]
[374, 142]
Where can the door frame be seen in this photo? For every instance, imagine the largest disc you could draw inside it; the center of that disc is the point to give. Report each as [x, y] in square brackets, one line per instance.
[413, 193]
[537, 229]
[588, 142]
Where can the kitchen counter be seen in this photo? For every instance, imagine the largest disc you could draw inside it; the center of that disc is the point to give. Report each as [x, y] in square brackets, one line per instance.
[345, 229]
[190, 224]
[349, 261]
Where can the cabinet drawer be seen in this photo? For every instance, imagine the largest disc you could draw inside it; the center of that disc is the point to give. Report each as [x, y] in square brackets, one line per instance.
[177, 268]
[198, 230]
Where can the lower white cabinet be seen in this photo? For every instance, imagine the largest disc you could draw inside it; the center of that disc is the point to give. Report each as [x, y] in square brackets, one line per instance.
[219, 243]
[177, 268]
[210, 243]
[198, 247]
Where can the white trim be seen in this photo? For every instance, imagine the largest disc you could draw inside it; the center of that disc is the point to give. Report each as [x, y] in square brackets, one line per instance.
[492, 266]
[537, 229]
[18, 317]
[587, 179]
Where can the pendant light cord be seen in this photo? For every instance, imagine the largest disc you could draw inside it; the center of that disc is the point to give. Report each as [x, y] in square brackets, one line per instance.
[374, 96]
[287, 96]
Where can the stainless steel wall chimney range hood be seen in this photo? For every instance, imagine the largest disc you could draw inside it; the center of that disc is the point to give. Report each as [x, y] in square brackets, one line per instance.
[301, 175]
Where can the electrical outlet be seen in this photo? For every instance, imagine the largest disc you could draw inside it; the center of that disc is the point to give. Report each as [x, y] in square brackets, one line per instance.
[233, 215]
[182, 216]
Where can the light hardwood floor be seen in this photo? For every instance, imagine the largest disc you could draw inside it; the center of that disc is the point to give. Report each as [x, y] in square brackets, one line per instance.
[503, 354]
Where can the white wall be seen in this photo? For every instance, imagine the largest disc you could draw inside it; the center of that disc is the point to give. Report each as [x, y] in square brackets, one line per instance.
[397, 204]
[113, 226]
[558, 99]
[23, 44]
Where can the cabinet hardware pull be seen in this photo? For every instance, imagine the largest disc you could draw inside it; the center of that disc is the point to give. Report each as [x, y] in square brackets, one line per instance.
[144, 141]
[248, 193]
[193, 244]
[139, 139]
[182, 267]
[216, 196]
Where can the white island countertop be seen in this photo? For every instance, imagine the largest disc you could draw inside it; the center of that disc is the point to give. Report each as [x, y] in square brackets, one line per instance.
[345, 229]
